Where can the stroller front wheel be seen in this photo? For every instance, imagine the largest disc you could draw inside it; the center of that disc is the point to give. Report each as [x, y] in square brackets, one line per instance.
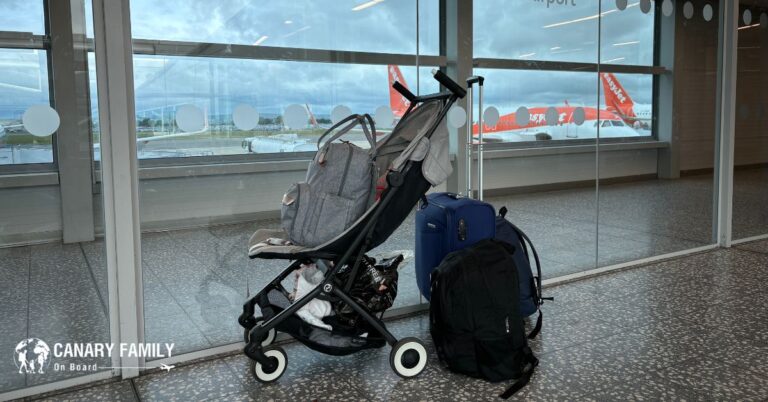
[408, 357]
[267, 341]
[279, 362]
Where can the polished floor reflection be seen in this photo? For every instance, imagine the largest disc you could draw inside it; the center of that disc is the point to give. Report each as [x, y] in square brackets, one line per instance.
[684, 329]
[196, 280]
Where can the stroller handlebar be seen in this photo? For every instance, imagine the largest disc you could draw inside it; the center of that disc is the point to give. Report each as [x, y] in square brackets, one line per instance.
[404, 91]
[447, 82]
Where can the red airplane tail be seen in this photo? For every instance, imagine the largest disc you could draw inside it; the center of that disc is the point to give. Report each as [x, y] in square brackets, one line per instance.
[312, 119]
[397, 102]
[617, 99]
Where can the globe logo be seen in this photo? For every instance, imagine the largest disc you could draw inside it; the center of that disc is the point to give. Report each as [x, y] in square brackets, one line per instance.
[31, 356]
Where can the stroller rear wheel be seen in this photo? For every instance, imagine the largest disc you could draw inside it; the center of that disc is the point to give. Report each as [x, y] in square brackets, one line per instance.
[266, 374]
[408, 357]
[270, 335]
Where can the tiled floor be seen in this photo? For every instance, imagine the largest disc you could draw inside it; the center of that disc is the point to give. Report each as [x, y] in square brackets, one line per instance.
[694, 328]
[195, 281]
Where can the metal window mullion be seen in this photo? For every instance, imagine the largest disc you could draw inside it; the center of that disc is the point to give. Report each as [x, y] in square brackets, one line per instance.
[726, 120]
[516, 64]
[114, 70]
[23, 40]
[233, 51]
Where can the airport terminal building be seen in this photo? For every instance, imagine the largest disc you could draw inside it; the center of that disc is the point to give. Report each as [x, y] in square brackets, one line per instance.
[143, 143]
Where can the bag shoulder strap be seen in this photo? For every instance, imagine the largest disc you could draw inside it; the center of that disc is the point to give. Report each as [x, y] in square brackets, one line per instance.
[530, 366]
[538, 291]
[351, 122]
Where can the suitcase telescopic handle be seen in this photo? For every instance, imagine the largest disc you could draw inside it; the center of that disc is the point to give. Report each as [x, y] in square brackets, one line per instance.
[471, 81]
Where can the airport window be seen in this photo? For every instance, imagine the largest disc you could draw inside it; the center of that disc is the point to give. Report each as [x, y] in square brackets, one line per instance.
[193, 106]
[221, 92]
[553, 63]
[24, 86]
[364, 26]
[565, 31]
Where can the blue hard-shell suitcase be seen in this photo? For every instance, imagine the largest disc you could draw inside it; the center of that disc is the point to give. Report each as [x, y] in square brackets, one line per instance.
[448, 222]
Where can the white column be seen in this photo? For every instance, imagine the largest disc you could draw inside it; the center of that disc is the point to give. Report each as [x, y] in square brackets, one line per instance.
[114, 71]
[726, 96]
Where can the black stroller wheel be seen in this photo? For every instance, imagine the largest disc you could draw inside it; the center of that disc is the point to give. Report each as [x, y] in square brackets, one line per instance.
[279, 361]
[267, 341]
[408, 357]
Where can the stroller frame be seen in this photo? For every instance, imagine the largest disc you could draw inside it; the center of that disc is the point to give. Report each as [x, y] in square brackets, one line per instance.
[257, 331]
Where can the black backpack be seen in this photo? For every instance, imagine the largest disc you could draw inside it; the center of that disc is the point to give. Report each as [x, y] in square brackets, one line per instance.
[530, 284]
[475, 318]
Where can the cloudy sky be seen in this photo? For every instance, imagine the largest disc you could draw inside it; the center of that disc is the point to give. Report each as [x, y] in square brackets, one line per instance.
[525, 29]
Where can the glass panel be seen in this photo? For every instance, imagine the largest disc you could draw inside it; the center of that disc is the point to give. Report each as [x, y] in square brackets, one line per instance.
[366, 26]
[52, 254]
[655, 201]
[197, 218]
[22, 16]
[563, 31]
[750, 192]
[23, 84]
[550, 193]
[217, 88]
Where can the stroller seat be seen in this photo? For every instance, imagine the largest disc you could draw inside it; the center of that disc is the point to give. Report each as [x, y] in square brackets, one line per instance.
[275, 242]
[415, 157]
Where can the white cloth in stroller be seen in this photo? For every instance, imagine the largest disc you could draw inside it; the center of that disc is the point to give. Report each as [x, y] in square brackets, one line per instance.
[307, 278]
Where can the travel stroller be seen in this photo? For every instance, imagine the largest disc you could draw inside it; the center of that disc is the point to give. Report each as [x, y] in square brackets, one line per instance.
[414, 156]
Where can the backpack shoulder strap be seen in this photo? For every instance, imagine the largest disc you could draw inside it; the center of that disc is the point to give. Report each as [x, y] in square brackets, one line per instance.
[538, 291]
[530, 366]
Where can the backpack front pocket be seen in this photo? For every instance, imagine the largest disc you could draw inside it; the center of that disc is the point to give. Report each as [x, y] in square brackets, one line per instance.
[329, 217]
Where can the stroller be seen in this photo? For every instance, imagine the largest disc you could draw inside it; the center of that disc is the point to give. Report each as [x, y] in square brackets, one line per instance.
[415, 157]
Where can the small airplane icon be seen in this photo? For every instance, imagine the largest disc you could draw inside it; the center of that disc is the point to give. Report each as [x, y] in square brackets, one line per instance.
[166, 367]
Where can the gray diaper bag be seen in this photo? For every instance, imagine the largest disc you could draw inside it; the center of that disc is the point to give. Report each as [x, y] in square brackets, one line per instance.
[339, 188]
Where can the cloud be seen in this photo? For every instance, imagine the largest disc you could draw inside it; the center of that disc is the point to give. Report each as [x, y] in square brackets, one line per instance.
[505, 29]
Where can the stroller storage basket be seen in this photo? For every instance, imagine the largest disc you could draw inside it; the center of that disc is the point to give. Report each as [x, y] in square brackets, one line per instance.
[339, 342]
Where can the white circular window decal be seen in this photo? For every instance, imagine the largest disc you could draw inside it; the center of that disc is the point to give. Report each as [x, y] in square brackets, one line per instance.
[708, 12]
[40, 120]
[189, 118]
[763, 20]
[457, 116]
[339, 113]
[645, 6]
[522, 116]
[491, 117]
[578, 116]
[552, 117]
[688, 10]
[621, 4]
[383, 117]
[295, 116]
[667, 8]
[245, 117]
[748, 17]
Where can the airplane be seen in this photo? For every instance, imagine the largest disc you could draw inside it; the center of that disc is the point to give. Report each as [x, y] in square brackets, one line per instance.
[10, 129]
[283, 142]
[618, 101]
[507, 129]
[166, 367]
